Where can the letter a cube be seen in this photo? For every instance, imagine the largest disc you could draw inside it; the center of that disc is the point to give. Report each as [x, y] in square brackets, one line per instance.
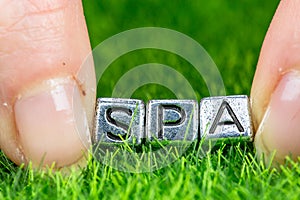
[225, 117]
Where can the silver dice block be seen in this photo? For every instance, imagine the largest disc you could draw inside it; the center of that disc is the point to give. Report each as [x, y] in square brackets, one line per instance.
[225, 117]
[119, 120]
[172, 120]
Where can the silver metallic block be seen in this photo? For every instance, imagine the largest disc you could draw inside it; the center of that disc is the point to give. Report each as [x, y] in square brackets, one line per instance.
[225, 117]
[119, 120]
[172, 120]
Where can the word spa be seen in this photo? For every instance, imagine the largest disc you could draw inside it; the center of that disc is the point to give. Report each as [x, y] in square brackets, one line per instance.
[119, 120]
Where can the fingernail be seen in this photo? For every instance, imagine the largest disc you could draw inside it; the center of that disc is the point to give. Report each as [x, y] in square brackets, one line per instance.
[52, 123]
[279, 131]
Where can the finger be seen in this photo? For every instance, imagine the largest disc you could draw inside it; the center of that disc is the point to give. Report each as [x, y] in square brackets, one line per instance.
[275, 93]
[47, 94]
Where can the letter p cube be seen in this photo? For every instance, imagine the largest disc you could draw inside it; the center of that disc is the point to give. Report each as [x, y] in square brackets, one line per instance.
[172, 120]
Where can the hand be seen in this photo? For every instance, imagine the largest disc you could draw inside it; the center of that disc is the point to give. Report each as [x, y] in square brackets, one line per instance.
[46, 95]
[275, 92]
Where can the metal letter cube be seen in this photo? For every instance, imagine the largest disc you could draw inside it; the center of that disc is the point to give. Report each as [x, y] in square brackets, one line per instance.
[172, 120]
[119, 120]
[225, 117]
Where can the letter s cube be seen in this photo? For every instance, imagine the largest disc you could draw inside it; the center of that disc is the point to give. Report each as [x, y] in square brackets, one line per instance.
[119, 120]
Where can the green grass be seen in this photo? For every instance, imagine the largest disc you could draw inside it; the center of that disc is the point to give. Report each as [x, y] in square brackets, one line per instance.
[232, 33]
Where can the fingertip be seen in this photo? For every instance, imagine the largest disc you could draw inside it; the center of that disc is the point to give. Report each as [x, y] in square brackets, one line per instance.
[279, 129]
[49, 46]
[52, 123]
[275, 87]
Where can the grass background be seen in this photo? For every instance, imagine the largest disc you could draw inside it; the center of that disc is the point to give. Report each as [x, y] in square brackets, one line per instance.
[232, 32]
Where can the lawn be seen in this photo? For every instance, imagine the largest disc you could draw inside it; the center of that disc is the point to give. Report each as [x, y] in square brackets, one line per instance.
[231, 32]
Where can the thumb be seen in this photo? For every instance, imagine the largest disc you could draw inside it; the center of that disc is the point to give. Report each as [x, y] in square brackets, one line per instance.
[46, 95]
[275, 91]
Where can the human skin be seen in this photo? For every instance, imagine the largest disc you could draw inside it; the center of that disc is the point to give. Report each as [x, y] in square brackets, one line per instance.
[275, 93]
[47, 96]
